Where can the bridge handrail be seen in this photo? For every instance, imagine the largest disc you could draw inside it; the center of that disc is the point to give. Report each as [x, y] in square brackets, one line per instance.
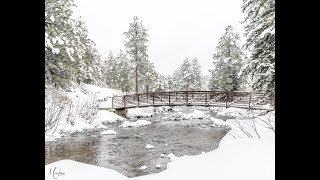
[164, 92]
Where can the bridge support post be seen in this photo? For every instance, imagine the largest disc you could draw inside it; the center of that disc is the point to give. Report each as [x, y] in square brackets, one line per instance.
[206, 99]
[153, 99]
[227, 96]
[187, 98]
[249, 100]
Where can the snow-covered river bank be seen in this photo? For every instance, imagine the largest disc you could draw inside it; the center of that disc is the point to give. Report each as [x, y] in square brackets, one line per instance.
[126, 150]
[111, 147]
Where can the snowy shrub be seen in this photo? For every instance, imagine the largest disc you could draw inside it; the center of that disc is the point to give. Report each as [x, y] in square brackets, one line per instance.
[55, 106]
[88, 109]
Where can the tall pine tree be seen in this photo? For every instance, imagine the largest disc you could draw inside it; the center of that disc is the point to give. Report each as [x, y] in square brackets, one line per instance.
[259, 30]
[136, 47]
[228, 58]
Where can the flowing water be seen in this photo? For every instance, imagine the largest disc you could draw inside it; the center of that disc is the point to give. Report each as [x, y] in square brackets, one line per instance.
[126, 151]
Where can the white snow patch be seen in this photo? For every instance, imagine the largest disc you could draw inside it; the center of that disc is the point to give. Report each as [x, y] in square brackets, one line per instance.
[218, 122]
[71, 170]
[101, 126]
[158, 166]
[138, 123]
[163, 155]
[144, 167]
[108, 132]
[144, 112]
[149, 146]
[52, 18]
[104, 116]
[196, 114]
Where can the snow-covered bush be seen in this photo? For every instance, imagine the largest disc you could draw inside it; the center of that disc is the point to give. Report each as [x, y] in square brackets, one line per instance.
[59, 107]
[56, 106]
[88, 109]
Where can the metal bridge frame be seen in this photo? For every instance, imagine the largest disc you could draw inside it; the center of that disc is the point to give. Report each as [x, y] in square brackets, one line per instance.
[239, 99]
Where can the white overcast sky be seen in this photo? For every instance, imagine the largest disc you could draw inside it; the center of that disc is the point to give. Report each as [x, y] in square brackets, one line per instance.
[177, 29]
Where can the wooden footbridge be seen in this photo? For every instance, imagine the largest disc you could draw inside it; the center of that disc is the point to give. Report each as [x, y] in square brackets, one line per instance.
[239, 99]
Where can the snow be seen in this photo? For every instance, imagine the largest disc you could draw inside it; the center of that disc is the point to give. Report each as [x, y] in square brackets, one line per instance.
[173, 157]
[79, 95]
[137, 123]
[162, 156]
[144, 167]
[104, 116]
[240, 156]
[194, 115]
[218, 122]
[53, 137]
[55, 50]
[238, 113]
[75, 170]
[158, 166]
[108, 132]
[182, 115]
[149, 146]
[52, 18]
[79, 126]
[101, 126]
[144, 112]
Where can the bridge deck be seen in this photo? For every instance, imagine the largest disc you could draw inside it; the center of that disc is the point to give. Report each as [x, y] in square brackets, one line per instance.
[239, 99]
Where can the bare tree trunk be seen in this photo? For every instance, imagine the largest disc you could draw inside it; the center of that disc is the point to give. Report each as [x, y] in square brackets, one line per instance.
[137, 79]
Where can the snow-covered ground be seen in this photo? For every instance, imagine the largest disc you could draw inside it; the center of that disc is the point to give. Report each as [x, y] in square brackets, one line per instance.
[137, 123]
[247, 152]
[69, 109]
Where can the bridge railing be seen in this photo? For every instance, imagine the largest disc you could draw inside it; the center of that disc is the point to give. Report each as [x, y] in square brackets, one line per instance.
[240, 99]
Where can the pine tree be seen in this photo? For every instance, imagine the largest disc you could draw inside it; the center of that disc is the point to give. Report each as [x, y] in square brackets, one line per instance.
[111, 70]
[161, 84]
[148, 77]
[136, 47]
[69, 53]
[124, 82]
[259, 30]
[170, 83]
[228, 58]
[185, 77]
[198, 79]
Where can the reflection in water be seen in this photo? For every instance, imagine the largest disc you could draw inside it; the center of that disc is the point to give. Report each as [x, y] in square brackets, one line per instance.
[81, 148]
[126, 152]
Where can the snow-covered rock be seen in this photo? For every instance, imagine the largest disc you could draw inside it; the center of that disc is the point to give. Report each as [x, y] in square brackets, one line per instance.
[158, 166]
[162, 156]
[108, 132]
[140, 112]
[149, 146]
[172, 157]
[104, 116]
[138, 123]
[218, 122]
[196, 114]
[144, 167]
[101, 126]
